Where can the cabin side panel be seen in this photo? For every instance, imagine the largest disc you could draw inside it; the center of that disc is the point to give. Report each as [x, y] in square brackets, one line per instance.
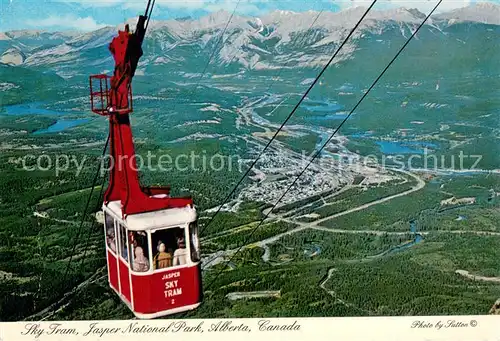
[166, 290]
[125, 281]
[113, 271]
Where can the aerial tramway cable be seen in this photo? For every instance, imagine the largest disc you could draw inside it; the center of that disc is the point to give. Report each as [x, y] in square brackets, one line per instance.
[318, 152]
[85, 213]
[311, 86]
[147, 14]
[89, 234]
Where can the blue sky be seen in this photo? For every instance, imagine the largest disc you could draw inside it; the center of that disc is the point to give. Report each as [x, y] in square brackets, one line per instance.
[91, 14]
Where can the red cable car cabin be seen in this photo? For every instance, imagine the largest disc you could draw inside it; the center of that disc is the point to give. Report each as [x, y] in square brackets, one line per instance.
[152, 246]
[153, 259]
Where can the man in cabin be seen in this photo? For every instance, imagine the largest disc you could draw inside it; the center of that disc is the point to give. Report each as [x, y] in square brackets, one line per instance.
[180, 255]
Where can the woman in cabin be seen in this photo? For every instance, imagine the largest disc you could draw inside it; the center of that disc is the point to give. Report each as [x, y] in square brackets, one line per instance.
[141, 263]
[162, 259]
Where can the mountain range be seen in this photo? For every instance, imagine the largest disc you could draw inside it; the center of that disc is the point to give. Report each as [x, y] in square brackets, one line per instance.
[278, 39]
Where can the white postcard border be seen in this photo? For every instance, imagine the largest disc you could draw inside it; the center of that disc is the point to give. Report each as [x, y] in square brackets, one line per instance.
[442, 328]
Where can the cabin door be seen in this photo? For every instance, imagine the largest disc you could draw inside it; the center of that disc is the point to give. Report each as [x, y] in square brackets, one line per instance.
[123, 263]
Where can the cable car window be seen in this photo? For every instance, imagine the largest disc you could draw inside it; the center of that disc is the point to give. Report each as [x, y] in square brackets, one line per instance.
[169, 247]
[140, 251]
[194, 241]
[123, 242]
[109, 225]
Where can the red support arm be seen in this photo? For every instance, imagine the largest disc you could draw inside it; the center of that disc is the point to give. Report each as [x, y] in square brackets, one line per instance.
[124, 182]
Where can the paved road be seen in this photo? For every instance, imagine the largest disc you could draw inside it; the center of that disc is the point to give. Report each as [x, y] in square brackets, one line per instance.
[45, 216]
[478, 278]
[301, 226]
[420, 184]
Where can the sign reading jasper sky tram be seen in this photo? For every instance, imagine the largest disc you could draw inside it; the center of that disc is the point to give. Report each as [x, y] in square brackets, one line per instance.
[152, 246]
[171, 286]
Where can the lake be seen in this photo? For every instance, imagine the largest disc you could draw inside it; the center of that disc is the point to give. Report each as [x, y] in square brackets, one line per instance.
[29, 109]
[337, 116]
[361, 134]
[62, 125]
[36, 109]
[406, 147]
[332, 108]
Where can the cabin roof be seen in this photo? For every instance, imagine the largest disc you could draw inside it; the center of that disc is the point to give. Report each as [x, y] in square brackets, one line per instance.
[170, 217]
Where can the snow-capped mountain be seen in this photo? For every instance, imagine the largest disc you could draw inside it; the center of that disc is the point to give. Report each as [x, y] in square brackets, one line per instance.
[486, 13]
[275, 40]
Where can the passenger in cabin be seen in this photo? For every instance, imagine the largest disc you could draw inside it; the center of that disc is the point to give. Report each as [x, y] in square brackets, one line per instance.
[141, 263]
[162, 259]
[158, 246]
[180, 255]
[111, 239]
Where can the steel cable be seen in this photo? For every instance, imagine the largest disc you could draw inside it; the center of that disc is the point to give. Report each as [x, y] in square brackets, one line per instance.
[318, 152]
[289, 116]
